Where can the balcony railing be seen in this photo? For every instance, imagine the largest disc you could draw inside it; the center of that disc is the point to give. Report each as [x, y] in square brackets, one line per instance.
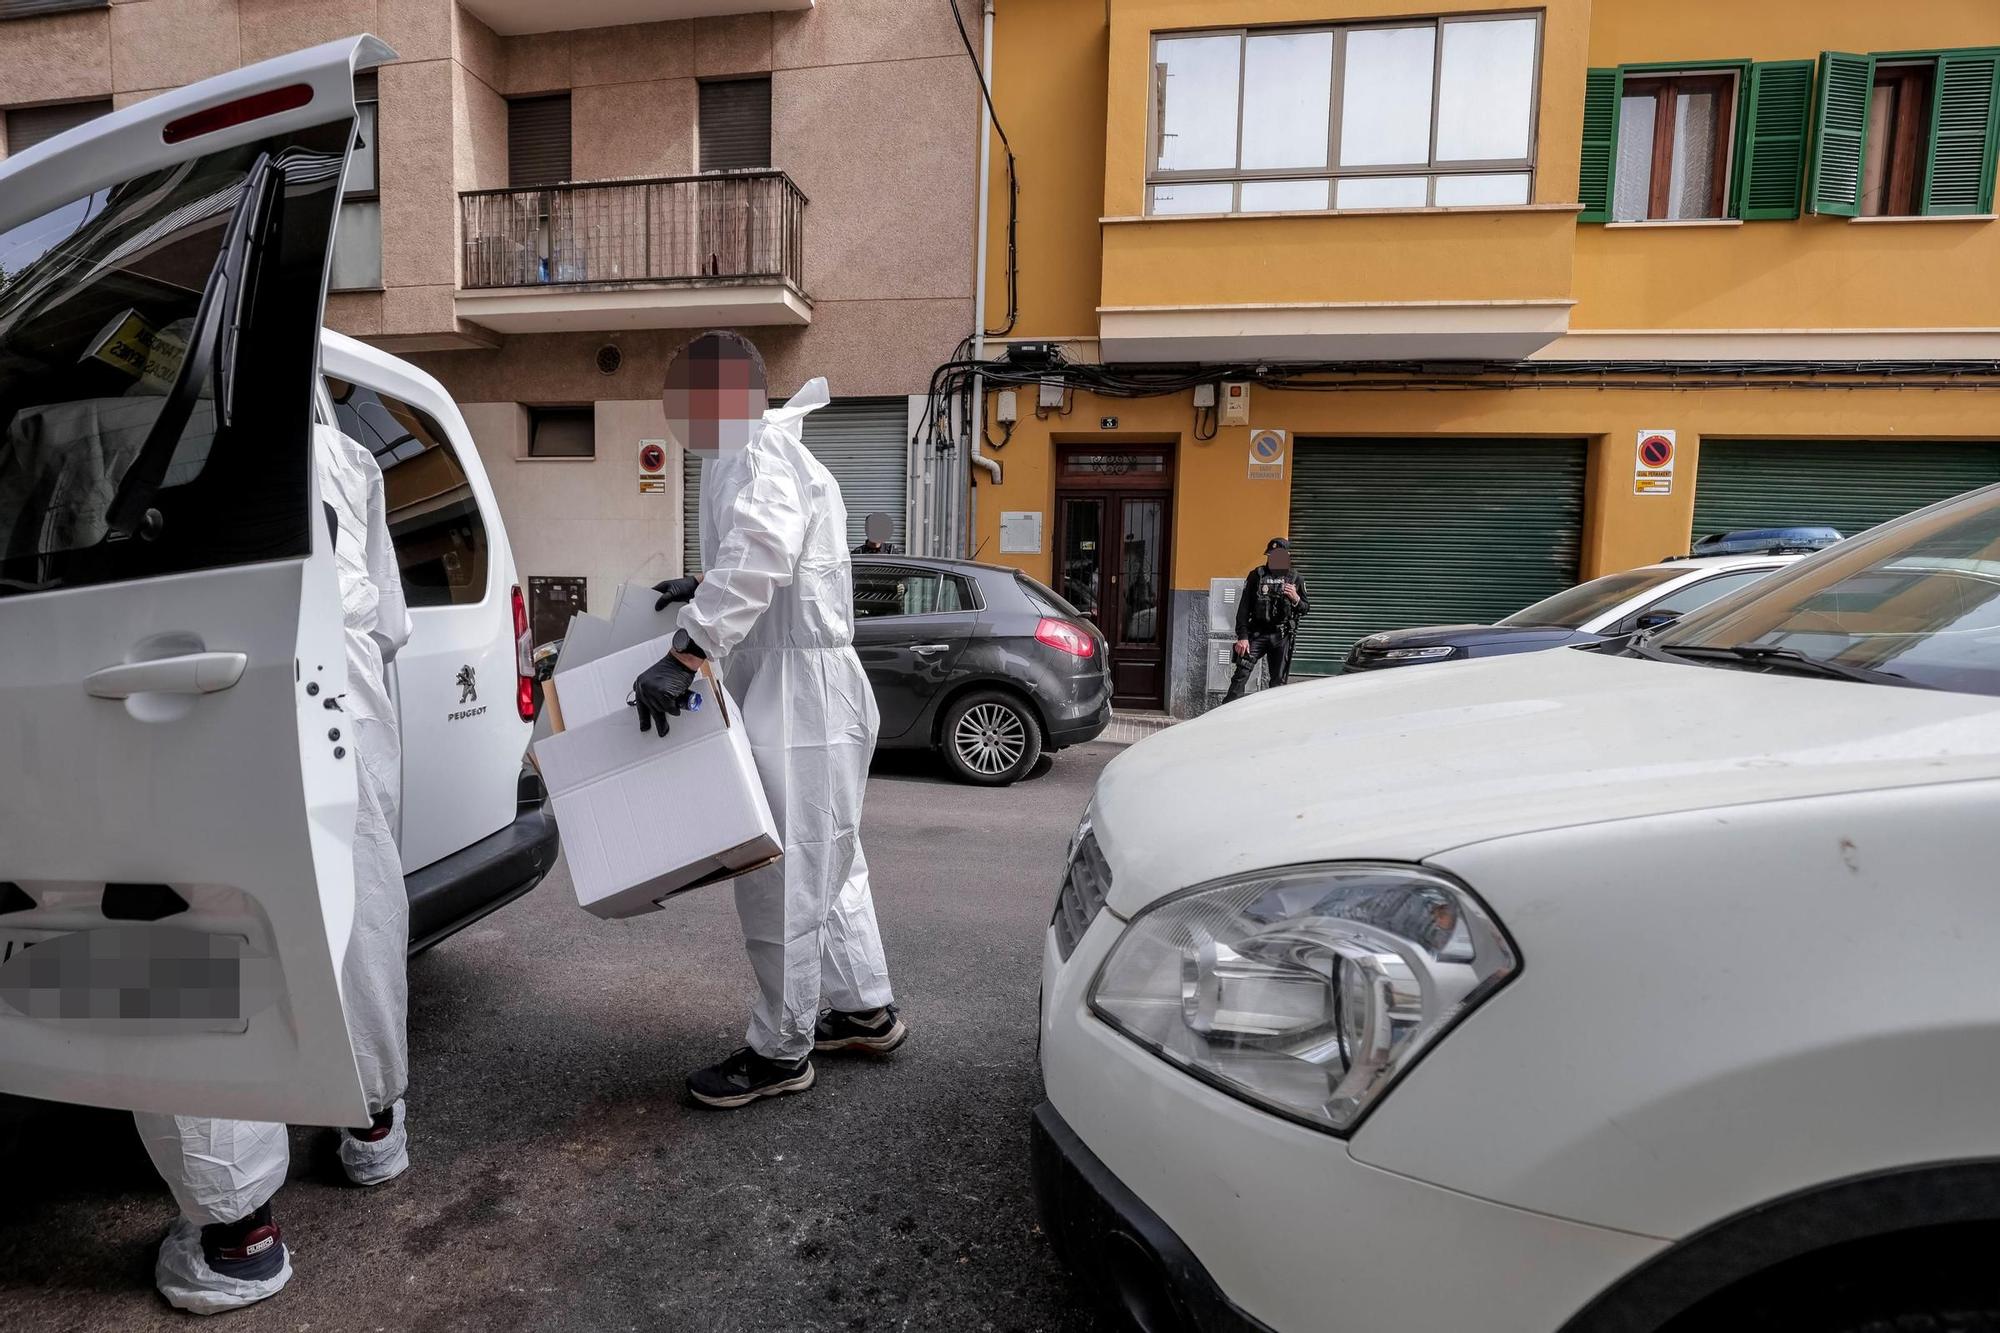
[739, 229]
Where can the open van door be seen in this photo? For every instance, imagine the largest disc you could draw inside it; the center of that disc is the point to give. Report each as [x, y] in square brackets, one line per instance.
[177, 785]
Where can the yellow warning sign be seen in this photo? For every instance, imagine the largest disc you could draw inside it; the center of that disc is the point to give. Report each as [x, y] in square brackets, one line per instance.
[132, 344]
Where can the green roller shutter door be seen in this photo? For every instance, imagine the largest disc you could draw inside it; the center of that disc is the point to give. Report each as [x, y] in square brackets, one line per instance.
[1395, 533]
[1852, 485]
[864, 443]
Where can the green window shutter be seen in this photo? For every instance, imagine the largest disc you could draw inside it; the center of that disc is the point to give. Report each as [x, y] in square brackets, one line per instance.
[1958, 177]
[1777, 108]
[1840, 133]
[1600, 144]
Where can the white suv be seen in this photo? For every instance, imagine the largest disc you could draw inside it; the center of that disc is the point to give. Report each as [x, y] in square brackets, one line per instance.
[1571, 991]
[178, 788]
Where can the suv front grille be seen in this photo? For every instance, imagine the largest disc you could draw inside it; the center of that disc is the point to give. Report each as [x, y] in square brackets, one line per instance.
[1085, 886]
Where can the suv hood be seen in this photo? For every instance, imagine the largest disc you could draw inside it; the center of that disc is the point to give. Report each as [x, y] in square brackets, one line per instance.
[1403, 765]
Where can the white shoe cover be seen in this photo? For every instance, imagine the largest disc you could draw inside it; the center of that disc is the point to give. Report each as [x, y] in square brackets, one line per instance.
[380, 1162]
[185, 1279]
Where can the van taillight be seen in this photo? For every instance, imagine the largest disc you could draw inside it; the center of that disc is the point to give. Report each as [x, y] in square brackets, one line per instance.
[524, 660]
[1068, 638]
[239, 112]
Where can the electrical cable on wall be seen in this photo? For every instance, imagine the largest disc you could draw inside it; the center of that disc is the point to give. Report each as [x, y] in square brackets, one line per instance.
[1031, 365]
[1013, 182]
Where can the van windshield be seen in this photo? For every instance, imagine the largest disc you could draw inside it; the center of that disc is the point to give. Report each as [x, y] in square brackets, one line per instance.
[98, 298]
[1914, 602]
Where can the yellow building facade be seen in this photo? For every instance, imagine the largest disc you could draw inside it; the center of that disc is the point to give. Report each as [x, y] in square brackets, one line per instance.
[1454, 266]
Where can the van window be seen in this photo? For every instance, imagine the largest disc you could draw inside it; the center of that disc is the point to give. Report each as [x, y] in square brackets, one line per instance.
[98, 298]
[434, 520]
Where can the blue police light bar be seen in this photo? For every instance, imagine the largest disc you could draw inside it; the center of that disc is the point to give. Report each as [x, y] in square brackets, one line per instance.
[1767, 541]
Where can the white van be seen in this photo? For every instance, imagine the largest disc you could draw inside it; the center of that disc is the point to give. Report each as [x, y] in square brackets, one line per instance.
[177, 803]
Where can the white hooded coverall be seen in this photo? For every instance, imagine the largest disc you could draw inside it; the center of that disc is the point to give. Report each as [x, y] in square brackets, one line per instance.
[775, 613]
[223, 1170]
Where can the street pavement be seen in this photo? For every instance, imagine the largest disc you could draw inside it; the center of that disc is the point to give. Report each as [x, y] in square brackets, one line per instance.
[560, 1180]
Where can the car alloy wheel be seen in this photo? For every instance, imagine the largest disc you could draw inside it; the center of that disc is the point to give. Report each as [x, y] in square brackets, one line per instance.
[990, 738]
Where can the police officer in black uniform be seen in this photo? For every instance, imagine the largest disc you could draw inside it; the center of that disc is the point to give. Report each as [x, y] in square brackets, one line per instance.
[1267, 618]
[877, 529]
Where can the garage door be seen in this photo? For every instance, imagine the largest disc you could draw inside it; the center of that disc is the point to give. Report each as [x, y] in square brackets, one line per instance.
[864, 443]
[1395, 533]
[1850, 484]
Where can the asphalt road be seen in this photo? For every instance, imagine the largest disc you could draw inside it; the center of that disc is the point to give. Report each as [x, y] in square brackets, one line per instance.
[559, 1178]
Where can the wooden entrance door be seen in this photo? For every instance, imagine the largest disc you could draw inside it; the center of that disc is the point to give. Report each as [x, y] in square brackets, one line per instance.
[1114, 511]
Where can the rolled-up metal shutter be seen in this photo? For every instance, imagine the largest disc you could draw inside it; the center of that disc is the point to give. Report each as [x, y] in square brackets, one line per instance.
[538, 141]
[1391, 534]
[1850, 484]
[736, 125]
[864, 443]
[30, 125]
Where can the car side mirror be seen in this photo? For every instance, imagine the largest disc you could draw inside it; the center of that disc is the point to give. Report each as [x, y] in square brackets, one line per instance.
[1655, 619]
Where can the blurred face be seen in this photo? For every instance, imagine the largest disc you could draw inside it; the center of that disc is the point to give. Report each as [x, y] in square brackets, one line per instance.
[1278, 560]
[714, 395]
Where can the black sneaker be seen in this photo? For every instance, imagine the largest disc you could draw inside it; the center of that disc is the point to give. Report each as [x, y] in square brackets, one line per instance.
[745, 1076]
[877, 1031]
[249, 1249]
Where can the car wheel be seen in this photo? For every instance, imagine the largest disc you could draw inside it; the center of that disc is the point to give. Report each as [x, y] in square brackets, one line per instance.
[991, 738]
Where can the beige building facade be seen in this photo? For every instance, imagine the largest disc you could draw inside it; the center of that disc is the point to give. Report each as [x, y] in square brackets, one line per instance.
[551, 196]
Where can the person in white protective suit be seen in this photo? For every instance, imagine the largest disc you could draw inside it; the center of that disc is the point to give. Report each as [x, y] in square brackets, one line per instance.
[774, 612]
[225, 1250]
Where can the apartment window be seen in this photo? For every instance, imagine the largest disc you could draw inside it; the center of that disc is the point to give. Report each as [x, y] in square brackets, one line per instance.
[1913, 134]
[562, 432]
[538, 141]
[735, 130]
[357, 238]
[1674, 136]
[1899, 130]
[1436, 113]
[29, 125]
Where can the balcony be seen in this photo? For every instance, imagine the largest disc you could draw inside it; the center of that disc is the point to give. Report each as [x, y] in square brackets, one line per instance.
[670, 253]
[512, 17]
[1417, 284]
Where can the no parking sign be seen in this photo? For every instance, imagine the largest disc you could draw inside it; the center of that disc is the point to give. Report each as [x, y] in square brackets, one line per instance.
[1653, 464]
[652, 467]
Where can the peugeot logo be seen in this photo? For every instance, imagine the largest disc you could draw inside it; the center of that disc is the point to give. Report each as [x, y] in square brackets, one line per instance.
[468, 685]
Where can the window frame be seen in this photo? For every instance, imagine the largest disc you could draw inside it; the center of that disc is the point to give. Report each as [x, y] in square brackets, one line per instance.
[528, 454]
[369, 196]
[1912, 126]
[970, 603]
[1732, 76]
[441, 442]
[1330, 170]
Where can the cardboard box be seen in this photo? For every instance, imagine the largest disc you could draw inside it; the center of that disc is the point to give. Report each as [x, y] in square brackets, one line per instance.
[644, 818]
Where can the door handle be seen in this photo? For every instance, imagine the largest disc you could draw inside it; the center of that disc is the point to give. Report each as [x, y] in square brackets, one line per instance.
[929, 649]
[192, 673]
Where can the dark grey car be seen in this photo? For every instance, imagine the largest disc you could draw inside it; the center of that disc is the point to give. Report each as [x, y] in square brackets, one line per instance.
[978, 662]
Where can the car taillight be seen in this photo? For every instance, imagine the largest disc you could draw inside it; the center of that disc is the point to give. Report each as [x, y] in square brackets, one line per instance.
[1062, 635]
[524, 660]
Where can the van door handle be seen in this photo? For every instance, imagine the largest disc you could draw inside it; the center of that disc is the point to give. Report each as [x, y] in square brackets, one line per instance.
[193, 673]
[928, 649]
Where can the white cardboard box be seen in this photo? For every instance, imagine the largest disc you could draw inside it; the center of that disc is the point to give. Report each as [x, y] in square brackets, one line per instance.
[643, 818]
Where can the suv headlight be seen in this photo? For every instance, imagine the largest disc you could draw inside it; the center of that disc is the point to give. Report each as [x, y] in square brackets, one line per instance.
[1437, 654]
[1307, 990]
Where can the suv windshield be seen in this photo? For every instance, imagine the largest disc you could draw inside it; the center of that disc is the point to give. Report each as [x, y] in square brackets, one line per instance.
[1586, 601]
[1915, 602]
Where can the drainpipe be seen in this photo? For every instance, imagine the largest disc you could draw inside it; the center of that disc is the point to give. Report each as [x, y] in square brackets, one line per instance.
[990, 466]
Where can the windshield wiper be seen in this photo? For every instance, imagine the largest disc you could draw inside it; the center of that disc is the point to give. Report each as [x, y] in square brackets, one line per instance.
[219, 327]
[1774, 659]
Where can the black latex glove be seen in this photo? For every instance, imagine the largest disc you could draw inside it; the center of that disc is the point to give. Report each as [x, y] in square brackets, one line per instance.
[675, 590]
[661, 689]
